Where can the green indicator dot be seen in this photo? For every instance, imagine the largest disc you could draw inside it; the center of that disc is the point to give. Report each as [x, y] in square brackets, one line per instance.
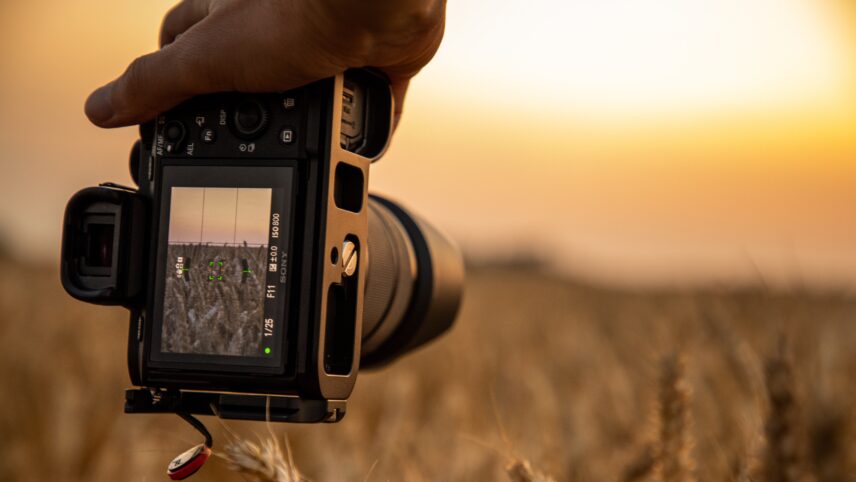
[267, 350]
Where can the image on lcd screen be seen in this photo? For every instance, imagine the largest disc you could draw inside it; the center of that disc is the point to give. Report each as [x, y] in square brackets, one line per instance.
[215, 278]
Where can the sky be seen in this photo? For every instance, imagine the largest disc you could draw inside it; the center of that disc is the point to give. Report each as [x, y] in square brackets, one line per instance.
[658, 142]
[219, 215]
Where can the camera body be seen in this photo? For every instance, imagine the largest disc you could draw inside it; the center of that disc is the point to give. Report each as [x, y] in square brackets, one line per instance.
[243, 253]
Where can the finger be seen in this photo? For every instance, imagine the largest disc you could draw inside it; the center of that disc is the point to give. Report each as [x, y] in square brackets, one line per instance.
[399, 90]
[154, 83]
[181, 17]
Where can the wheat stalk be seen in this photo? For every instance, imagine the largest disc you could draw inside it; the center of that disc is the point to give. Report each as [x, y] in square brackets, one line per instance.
[517, 468]
[830, 442]
[674, 458]
[784, 460]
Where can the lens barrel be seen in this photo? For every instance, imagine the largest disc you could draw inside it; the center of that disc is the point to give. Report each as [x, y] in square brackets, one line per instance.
[414, 283]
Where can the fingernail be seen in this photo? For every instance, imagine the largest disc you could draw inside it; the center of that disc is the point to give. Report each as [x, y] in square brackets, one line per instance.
[98, 107]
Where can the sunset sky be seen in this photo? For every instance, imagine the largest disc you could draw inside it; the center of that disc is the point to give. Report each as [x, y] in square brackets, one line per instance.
[660, 141]
[219, 215]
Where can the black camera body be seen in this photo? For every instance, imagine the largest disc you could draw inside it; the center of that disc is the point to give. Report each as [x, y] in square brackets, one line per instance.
[243, 255]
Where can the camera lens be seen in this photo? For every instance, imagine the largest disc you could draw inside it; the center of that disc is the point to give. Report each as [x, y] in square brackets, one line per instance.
[250, 119]
[414, 283]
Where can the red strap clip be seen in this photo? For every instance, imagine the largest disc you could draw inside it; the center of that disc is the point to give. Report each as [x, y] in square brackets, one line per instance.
[188, 463]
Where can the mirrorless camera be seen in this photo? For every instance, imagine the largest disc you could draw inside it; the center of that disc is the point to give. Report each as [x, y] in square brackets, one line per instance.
[259, 272]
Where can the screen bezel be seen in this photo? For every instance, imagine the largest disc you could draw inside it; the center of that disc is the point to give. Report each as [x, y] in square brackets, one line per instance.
[229, 176]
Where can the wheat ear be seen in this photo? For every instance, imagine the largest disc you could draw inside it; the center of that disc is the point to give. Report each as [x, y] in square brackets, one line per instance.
[261, 462]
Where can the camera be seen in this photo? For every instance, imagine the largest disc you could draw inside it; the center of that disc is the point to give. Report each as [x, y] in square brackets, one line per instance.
[259, 272]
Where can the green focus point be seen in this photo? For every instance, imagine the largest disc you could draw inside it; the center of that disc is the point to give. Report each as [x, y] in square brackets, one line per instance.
[267, 350]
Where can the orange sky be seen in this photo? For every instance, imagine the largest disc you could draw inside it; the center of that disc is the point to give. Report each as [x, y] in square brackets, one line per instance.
[668, 141]
[219, 215]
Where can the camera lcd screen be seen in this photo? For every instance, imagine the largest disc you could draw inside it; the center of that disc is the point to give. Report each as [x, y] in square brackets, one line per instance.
[224, 266]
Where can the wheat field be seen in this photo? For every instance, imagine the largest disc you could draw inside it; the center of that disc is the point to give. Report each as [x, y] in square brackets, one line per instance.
[542, 379]
[216, 305]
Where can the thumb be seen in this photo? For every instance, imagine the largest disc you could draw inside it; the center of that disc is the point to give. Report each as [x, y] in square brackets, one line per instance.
[152, 84]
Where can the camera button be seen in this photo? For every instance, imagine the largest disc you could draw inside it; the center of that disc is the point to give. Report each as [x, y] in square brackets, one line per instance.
[208, 136]
[286, 135]
[173, 133]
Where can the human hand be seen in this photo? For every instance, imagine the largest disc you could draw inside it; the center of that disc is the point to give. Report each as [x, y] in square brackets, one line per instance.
[267, 46]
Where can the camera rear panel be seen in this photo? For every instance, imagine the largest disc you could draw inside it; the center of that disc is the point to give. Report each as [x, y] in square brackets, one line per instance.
[257, 207]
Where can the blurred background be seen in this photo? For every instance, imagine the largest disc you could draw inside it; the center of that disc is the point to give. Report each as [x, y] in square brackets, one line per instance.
[664, 141]
[682, 173]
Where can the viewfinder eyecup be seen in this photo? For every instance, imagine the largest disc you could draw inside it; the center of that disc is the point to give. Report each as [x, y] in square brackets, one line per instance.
[103, 235]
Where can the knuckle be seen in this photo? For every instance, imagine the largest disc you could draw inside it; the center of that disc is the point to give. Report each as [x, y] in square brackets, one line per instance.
[196, 71]
[169, 18]
[166, 30]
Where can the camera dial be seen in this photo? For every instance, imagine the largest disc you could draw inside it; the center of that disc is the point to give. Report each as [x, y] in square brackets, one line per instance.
[250, 119]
